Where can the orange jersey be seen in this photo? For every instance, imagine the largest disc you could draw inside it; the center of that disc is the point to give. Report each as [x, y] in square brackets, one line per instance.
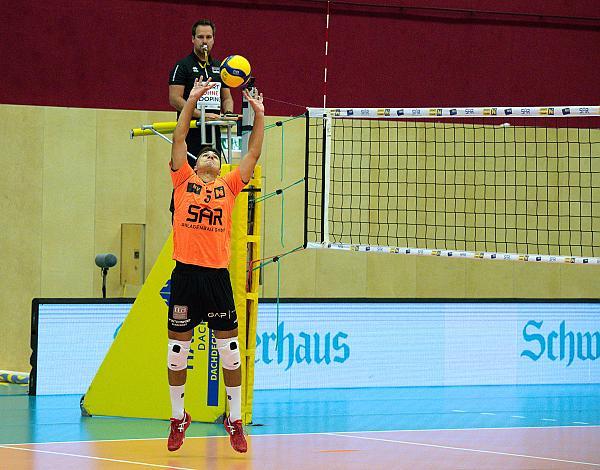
[202, 217]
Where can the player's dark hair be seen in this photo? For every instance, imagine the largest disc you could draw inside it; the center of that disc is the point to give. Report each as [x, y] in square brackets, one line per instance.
[203, 22]
[208, 148]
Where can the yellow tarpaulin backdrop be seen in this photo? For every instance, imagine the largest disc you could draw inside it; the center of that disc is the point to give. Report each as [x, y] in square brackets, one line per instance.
[132, 379]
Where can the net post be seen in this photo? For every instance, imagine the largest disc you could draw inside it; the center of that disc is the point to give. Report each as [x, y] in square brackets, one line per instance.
[202, 121]
[325, 175]
[306, 156]
[229, 145]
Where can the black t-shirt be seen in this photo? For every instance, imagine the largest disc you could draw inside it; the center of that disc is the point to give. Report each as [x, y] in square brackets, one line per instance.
[184, 73]
[190, 68]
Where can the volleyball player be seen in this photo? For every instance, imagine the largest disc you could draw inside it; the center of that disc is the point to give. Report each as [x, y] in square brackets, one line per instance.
[200, 285]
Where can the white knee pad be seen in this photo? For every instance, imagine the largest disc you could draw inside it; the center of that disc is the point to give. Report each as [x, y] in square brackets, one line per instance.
[229, 351]
[178, 354]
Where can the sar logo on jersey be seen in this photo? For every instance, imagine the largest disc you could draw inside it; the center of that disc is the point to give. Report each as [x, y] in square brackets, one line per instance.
[219, 192]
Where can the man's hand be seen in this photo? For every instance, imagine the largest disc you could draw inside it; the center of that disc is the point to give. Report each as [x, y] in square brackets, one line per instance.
[256, 103]
[179, 147]
[256, 137]
[200, 88]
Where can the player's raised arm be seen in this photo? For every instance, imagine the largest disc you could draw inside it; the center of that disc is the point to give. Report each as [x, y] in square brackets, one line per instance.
[179, 147]
[256, 138]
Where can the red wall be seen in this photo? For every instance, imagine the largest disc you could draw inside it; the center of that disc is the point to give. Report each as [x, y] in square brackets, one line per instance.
[117, 54]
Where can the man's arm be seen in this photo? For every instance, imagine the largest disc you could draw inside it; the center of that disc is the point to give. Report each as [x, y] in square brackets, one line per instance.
[226, 101]
[256, 138]
[179, 147]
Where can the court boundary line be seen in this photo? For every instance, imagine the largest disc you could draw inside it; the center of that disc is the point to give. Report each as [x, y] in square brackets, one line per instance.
[303, 434]
[347, 434]
[93, 457]
[466, 449]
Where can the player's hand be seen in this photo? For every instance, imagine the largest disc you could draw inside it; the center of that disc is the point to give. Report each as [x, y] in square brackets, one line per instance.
[211, 116]
[200, 87]
[255, 102]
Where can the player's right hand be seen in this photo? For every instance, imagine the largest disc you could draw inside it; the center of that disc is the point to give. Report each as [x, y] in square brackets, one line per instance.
[255, 100]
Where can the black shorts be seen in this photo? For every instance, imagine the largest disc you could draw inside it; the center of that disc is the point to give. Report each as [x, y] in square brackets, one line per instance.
[198, 295]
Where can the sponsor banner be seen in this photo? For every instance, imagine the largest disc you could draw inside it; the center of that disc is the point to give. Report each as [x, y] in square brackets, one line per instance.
[455, 253]
[328, 345]
[60, 371]
[212, 393]
[211, 99]
[490, 111]
[344, 345]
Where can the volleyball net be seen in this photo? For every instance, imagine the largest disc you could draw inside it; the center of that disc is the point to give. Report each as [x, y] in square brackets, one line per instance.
[511, 183]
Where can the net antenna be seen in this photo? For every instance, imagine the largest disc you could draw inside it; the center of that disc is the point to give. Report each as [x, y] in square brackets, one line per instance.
[498, 182]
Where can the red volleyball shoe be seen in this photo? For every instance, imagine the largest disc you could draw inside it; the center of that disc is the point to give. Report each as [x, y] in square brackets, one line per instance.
[236, 435]
[177, 434]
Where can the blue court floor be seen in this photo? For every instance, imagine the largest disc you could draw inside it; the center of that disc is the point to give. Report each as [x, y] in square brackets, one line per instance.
[25, 419]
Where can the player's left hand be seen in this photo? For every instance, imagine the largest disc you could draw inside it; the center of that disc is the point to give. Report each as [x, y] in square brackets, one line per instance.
[255, 102]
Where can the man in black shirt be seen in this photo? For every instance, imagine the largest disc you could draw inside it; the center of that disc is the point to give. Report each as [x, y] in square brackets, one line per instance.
[200, 64]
